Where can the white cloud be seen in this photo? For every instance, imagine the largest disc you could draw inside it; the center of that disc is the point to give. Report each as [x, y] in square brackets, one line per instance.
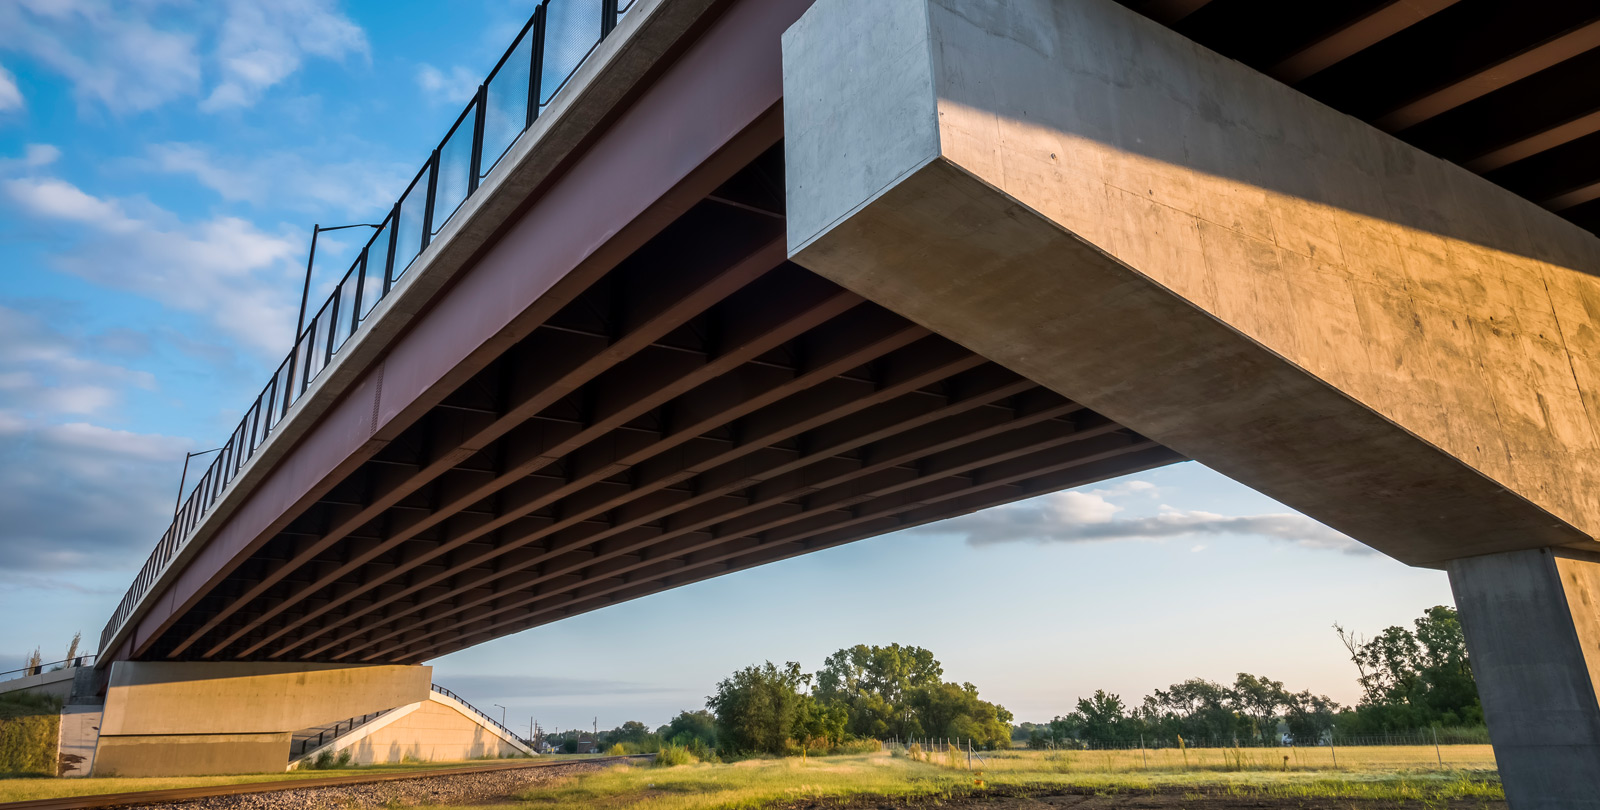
[134, 56]
[224, 268]
[354, 188]
[1074, 516]
[74, 494]
[43, 372]
[264, 41]
[110, 52]
[455, 87]
[40, 154]
[81, 496]
[10, 94]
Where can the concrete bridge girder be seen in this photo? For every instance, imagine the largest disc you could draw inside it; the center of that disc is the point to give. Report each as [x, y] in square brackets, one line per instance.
[1364, 332]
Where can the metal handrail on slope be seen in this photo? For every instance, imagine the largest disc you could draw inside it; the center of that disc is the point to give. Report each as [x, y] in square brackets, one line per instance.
[550, 48]
[496, 723]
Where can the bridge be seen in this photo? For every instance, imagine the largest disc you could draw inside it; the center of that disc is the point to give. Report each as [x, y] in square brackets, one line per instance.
[695, 285]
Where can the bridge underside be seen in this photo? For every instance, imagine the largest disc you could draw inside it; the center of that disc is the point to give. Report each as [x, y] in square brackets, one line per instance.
[705, 407]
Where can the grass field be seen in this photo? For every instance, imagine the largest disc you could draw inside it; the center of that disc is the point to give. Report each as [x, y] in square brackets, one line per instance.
[1396, 775]
[16, 789]
[1363, 758]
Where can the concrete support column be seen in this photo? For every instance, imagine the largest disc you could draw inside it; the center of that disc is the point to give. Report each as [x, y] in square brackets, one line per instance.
[1532, 621]
[183, 719]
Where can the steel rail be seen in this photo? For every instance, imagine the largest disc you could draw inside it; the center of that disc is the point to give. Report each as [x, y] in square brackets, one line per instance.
[147, 797]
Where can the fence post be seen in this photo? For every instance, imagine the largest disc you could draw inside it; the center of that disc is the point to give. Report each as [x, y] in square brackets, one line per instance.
[1436, 751]
[1142, 757]
[1332, 751]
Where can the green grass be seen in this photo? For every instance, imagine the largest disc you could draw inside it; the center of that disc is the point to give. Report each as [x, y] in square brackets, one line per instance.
[29, 725]
[758, 783]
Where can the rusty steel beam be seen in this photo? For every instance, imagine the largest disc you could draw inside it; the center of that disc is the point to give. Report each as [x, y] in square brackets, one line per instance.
[661, 307]
[578, 227]
[960, 467]
[732, 474]
[965, 424]
[1493, 77]
[1142, 455]
[790, 311]
[1379, 25]
[842, 343]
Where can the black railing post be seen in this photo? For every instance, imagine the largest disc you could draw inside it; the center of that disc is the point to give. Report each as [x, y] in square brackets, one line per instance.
[288, 393]
[394, 242]
[477, 139]
[536, 65]
[608, 17]
[361, 283]
[333, 326]
[427, 209]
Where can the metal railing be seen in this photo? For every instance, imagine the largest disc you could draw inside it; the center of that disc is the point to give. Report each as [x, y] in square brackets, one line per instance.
[490, 720]
[331, 733]
[48, 666]
[558, 38]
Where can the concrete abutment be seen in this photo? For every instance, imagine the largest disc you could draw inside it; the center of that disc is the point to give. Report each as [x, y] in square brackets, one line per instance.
[182, 719]
[1371, 335]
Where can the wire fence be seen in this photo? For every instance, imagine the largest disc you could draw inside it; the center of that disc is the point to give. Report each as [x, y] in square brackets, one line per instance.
[1410, 751]
[556, 40]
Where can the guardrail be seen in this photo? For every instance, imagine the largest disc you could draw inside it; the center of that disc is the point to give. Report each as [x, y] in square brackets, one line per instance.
[49, 666]
[496, 723]
[556, 40]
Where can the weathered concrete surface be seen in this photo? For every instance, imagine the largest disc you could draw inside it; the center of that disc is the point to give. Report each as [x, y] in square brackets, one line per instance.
[1377, 338]
[80, 734]
[1532, 620]
[439, 729]
[55, 682]
[168, 719]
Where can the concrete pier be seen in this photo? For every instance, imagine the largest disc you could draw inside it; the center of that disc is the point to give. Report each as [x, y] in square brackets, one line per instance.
[1371, 335]
[1532, 620]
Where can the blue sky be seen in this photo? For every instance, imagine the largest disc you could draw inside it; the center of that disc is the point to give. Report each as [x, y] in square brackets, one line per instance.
[161, 163]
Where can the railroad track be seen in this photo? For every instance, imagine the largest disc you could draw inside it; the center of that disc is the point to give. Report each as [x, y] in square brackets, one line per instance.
[144, 797]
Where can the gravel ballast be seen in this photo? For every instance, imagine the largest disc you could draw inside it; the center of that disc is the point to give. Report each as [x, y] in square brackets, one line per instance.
[466, 788]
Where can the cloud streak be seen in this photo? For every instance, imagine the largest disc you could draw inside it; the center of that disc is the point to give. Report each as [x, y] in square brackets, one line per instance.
[224, 269]
[1078, 517]
[355, 188]
[129, 57]
[10, 94]
[264, 41]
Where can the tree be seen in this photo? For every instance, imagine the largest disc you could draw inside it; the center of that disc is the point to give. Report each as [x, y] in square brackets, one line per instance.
[818, 724]
[873, 684]
[1101, 717]
[1195, 709]
[1414, 679]
[1309, 717]
[755, 707]
[1259, 699]
[697, 725]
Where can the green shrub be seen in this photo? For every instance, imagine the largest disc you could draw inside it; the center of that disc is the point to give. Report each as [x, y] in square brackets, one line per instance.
[698, 749]
[857, 747]
[673, 755]
[29, 727]
[328, 761]
[618, 750]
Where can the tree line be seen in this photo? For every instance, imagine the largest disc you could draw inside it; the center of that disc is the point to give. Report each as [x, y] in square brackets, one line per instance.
[1411, 679]
[861, 694]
